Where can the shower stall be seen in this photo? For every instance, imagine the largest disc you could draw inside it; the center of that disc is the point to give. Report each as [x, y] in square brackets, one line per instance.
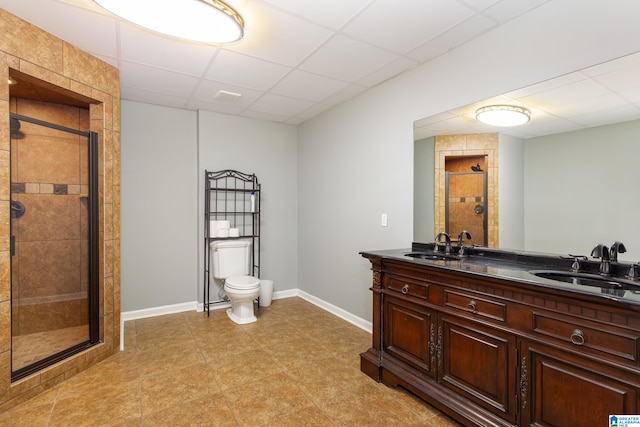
[54, 236]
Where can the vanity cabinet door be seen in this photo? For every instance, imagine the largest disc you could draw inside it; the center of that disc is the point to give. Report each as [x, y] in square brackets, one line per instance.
[560, 389]
[480, 363]
[409, 334]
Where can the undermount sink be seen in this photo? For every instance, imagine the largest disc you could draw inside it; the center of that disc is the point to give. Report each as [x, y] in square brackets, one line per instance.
[435, 256]
[587, 279]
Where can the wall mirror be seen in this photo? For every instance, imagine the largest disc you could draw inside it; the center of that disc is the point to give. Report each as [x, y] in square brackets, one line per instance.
[566, 180]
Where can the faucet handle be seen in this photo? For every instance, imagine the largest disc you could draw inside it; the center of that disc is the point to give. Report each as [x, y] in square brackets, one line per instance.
[575, 267]
[634, 272]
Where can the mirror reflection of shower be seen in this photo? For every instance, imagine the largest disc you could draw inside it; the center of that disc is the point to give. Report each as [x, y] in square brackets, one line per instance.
[466, 197]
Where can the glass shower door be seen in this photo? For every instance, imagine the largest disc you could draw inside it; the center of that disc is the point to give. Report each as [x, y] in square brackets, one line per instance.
[53, 243]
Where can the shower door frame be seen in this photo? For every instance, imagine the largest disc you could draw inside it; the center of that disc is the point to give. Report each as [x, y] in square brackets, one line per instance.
[94, 249]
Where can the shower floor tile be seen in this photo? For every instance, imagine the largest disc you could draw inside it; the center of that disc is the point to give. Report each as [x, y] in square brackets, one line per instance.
[27, 349]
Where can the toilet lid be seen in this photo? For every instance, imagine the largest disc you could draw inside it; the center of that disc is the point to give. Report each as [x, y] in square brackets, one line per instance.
[242, 282]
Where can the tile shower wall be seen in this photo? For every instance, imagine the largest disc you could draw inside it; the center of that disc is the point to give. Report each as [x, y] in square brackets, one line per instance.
[33, 52]
[49, 176]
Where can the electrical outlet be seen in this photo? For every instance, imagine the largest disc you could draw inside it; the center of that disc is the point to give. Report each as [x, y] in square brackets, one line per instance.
[383, 220]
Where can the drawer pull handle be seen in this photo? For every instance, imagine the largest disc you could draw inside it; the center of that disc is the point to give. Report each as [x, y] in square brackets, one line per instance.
[472, 306]
[577, 337]
[405, 289]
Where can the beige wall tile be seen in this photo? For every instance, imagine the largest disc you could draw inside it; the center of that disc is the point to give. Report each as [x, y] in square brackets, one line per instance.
[5, 275]
[5, 226]
[5, 324]
[5, 174]
[45, 74]
[26, 41]
[84, 68]
[5, 140]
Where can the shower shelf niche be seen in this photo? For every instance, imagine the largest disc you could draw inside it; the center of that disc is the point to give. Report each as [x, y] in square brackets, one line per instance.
[231, 196]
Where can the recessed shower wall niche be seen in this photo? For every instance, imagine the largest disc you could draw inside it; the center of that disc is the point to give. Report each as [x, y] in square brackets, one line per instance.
[56, 83]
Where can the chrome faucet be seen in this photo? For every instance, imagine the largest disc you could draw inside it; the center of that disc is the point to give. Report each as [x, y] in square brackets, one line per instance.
[462, 251]
[616, 248]
[602, 252]
[447, 239]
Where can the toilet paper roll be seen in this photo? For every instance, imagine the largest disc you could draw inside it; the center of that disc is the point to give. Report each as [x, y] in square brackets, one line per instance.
[216, 225]
[221, 224]
[234, 232]
[222, 232]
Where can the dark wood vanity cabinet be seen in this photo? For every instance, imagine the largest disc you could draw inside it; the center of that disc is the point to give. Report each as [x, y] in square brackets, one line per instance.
[563, 390]
[489, 352]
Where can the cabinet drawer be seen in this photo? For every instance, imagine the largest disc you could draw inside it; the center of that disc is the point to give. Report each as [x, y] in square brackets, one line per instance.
[496, 310]
[407, 287]
[578, 333]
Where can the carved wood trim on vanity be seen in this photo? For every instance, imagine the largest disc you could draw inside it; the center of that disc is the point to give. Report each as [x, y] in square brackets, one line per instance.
[475, 325]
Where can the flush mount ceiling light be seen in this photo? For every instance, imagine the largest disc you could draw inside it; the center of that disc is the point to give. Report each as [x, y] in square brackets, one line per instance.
[208, 21]
[503, 115]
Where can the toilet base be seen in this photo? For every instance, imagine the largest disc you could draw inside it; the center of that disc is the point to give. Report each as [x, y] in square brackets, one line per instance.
[242, 320]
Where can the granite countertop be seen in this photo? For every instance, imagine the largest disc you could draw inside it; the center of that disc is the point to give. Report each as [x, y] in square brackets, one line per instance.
[518, 266]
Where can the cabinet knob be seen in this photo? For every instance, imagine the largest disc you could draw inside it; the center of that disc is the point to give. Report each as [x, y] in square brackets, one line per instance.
[405, 289]
[577, 337]
[472, 306]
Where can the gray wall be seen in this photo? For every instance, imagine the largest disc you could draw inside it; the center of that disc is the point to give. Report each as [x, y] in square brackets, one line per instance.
[269, 150]
[424, 190]
[165, 152]
[511, 192]
[582, 189]
[158, 206]
[356, 159]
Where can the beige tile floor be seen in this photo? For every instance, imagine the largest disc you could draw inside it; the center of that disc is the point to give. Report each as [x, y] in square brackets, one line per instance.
[297, 366]
[28, 349]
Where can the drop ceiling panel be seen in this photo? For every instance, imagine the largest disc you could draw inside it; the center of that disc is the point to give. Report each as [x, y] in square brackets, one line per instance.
[236, 68]
[139, 95]
[304, 85]
[156, 80]
[347, 59]
[506, 10]
[401, 26]
[278, 37]
[452, 38]
[332, 16]
[144, 47]
[207, 89]
[284, 105]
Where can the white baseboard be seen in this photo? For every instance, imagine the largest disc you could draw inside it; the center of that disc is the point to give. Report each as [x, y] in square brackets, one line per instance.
[196, 306]
[152, 312]
[337, 311]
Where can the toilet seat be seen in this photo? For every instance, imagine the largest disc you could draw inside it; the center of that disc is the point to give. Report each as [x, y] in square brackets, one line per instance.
[242, 282]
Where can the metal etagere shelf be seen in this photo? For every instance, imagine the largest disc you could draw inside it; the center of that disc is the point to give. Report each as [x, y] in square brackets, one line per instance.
[235, 197]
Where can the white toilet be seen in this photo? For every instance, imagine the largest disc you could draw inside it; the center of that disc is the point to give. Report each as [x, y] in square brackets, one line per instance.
[231, 262]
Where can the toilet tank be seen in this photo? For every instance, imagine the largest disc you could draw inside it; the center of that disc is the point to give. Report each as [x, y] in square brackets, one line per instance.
[230, 258]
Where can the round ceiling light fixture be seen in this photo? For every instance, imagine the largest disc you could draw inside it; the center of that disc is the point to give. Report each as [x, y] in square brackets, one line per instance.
[207, 21]
[503, 115]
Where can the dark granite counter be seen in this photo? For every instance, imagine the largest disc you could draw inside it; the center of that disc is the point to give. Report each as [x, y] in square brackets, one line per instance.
[519, 267]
